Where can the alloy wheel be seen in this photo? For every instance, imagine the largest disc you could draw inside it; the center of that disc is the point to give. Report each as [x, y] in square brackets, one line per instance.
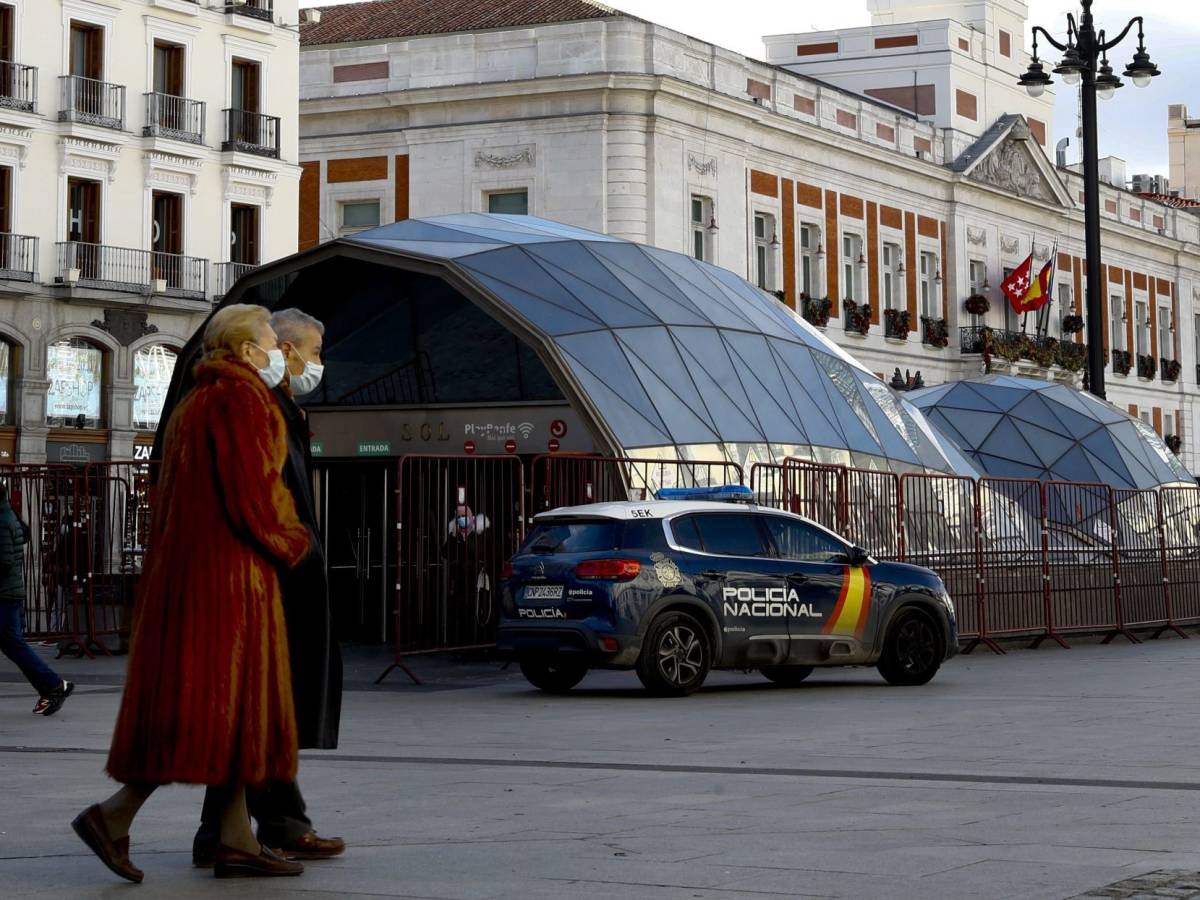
[916, 645]
[680, 655]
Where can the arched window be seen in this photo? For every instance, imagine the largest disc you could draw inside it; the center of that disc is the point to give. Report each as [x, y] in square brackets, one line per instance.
[76, 371]
[152, 368]
[8, 364]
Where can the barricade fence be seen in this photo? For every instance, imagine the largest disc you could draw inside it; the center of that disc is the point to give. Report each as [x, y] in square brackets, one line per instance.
[88, 529]
[1022, 559]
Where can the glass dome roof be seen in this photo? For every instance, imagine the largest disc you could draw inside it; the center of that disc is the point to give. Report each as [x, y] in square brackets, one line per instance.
[1025, 428]
[678, 357]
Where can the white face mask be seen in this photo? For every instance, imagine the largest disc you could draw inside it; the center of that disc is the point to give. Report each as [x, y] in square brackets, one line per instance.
[273, 373]
[306, 382]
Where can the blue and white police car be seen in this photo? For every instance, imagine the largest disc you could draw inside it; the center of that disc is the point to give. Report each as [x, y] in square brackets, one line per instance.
[676, 586]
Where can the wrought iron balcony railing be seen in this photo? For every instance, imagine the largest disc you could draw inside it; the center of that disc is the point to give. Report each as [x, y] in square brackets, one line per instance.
[255, 9]
[91, 102]
[126, 269]
[18, 87]
[251, 132]
[1016, 345]
[174, 117]
[1171, 369]
[227, 275]
[18, 257]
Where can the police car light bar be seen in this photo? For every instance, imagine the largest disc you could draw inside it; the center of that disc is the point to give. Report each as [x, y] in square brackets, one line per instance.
[726, 493]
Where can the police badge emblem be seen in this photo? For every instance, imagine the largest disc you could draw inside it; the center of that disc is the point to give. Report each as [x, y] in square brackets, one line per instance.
[666, 570]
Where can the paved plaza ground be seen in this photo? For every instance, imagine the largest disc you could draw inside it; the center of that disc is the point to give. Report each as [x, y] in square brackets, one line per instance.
[1045, 773]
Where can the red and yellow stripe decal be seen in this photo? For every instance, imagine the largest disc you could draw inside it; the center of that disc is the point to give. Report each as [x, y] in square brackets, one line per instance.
[853, 605]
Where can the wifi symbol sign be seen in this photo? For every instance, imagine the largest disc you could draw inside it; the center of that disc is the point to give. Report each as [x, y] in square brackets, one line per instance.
[526, 429]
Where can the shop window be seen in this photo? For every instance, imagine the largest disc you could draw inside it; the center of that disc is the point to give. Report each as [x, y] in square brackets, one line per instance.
[891, 276]
[701, 217]
[75, 370]
[509, 203]
[7, 375]
[359, 216]
[765, 241]
[852, 267]
[152, 368]
[810, 246]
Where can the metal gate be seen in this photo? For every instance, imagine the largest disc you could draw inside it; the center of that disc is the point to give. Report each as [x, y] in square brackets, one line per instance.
[458, 520]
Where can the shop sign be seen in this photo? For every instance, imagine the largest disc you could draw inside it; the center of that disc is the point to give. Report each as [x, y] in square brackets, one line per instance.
[374, 448]
[510, 446]
[75, 452]
[318, 449]
[468, 447]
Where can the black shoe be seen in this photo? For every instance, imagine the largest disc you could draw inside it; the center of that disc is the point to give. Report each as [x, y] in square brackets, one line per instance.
[52, 702]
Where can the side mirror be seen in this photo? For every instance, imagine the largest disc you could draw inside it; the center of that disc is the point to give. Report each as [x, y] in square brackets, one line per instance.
[858, 557]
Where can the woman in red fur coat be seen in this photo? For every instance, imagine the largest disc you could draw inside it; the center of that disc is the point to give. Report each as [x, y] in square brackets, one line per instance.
[208, 689]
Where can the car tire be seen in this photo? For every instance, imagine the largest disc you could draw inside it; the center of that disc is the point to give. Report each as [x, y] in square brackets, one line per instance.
[676, 655]
[912, 649]
[551, 675]
[787, 676]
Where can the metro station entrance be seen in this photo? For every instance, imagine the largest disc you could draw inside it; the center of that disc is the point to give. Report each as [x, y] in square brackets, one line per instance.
[356, 509]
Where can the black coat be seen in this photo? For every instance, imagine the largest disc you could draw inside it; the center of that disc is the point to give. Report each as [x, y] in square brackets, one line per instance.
[316, 656]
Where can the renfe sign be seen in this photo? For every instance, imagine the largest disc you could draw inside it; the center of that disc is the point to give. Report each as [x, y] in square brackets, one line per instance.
[487, 431]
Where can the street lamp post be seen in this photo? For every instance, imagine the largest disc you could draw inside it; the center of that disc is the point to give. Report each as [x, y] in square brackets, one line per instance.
[1085, 62]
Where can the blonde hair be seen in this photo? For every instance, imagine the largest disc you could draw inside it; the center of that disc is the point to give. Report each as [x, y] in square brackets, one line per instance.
[230, 326]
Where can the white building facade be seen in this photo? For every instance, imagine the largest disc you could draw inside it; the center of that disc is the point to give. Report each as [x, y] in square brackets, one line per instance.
[876, 221]
[148, 157]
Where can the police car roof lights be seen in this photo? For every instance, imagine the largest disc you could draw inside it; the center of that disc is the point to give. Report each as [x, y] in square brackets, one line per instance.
[726, 493]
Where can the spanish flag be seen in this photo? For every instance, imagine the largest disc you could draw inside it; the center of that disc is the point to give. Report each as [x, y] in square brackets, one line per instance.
[1026, 293]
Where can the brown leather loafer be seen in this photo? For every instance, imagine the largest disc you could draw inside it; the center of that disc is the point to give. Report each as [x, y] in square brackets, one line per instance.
[313, 846]
[90, 827]
[231, 863]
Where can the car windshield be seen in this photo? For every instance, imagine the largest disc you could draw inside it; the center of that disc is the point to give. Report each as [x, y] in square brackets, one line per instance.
[575, 536]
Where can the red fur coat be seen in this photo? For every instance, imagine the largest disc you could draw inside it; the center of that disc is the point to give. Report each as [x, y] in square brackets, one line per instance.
[208, 696]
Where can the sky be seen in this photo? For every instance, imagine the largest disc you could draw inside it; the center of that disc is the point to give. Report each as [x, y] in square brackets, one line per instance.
[1133, 125]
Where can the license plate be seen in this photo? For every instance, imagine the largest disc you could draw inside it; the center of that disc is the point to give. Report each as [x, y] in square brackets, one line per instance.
[544, 592]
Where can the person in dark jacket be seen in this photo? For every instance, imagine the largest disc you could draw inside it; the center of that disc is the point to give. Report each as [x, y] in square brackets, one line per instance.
[279, 808]
[52, 690]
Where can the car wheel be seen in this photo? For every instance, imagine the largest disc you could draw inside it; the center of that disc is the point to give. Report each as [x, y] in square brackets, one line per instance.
[788, 676]
[551, 675]
[912, 650]
[676, 655]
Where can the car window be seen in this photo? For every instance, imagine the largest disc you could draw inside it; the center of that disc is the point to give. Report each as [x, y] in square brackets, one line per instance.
[643, 534]
[731, 534]
[801, 541]
[686, 534]
[572, 537]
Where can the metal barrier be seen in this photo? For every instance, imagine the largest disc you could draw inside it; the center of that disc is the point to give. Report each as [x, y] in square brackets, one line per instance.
[569, 480]
[817, 492]
[46, 499]
[1180, 509]
[767, 481]
[458, 520]
[1014, 598]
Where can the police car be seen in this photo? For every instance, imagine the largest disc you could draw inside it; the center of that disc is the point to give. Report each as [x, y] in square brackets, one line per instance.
[689, 582]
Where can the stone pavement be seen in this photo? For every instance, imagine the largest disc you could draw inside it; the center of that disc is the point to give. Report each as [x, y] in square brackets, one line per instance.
[1045, 773]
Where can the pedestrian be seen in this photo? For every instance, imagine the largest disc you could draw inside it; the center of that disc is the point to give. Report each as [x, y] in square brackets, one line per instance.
[208, 695]
[279, 808]
[14, 535]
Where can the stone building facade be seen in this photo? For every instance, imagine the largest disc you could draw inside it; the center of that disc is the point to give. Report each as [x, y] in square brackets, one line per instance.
[148, 154]
[880, 219]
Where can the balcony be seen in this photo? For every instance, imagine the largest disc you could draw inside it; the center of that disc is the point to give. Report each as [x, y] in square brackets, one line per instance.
[18, 87]
[263, 10]
[1013, 346]
[895, 324]
[934, 332]
[1171, 369]
[91, 102]
[858, 317]
[227, 275]
[1146, 366]
[1122, 362]
[126, 269]
[18, 257]
[250, 132]
[173, 117]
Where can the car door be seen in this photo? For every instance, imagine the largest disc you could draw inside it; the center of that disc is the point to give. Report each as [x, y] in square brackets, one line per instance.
[831, 598]
[742, 582]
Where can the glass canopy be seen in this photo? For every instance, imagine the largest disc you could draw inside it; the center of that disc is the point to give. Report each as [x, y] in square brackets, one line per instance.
[1025, 428]
[677, 357]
